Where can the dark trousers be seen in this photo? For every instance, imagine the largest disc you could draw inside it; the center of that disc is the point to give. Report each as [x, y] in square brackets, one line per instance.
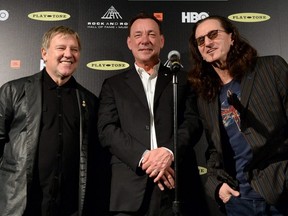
[155, 203]
[239, 207]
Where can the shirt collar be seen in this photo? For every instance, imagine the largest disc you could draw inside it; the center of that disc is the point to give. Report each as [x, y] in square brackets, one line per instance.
[141, 71]
[71, 83]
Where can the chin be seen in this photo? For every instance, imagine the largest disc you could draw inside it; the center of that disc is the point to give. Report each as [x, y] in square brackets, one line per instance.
[209, 60]
[66, 73]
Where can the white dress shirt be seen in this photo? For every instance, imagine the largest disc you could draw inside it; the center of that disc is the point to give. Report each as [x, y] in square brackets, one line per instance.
[149, 84]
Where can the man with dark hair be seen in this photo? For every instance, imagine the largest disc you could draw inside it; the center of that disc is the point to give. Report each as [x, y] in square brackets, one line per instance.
[136, 125]
[243, 102]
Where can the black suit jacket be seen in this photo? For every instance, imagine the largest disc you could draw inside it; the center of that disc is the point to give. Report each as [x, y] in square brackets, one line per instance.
[264, 123]
[124, 128]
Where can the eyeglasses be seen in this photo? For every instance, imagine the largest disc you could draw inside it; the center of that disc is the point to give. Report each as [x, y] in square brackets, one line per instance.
[211, 35]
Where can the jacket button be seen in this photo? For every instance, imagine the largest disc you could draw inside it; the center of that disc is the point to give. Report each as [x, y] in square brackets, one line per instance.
[147, 127]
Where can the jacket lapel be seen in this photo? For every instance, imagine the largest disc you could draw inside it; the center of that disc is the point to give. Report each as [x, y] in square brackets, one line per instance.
[215, 118]
[133, 80]
[33, 96]
[33, 91]
[247, 84]
[164, 78]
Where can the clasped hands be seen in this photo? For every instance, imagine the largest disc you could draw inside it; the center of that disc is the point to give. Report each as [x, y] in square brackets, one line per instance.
[157, 164]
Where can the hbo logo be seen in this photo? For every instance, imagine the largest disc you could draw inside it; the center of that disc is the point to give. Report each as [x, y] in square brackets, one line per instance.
[193, 17]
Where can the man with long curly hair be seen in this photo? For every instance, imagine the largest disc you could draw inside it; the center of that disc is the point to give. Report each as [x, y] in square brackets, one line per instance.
[243, 103]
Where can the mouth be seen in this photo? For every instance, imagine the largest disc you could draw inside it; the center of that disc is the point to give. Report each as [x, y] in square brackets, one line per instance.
[66, 62]
[211, 50]
[145, 50]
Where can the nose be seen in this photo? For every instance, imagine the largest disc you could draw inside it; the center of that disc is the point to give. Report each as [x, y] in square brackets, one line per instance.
[67, 53]
[207, 40]
[145, 39]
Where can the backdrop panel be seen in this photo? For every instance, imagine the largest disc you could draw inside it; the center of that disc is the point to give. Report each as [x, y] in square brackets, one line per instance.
[102, 26]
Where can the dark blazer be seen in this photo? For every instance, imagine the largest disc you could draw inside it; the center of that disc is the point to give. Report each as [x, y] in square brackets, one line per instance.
[124, 128]
[264, 123]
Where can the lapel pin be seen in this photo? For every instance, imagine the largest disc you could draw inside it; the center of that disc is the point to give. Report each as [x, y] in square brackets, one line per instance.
[83, 103]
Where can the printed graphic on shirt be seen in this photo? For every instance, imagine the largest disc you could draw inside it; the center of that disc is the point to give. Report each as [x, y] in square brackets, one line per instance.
[230, 114]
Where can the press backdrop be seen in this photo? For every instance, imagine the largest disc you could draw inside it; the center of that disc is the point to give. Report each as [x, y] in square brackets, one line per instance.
[102, 25]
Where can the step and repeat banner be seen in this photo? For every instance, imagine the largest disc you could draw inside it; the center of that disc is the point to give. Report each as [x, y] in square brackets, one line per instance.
[103, 28]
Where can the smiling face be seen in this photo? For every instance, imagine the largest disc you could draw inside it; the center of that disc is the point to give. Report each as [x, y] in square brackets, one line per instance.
[145, 42]
[61, 57]
[214, 50]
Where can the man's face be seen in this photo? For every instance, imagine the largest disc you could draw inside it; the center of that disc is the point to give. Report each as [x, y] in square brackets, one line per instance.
[216, 48]
[62, 56]
[145, 41]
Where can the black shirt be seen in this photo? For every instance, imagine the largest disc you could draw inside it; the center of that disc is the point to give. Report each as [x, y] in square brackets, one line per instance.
[56, 174]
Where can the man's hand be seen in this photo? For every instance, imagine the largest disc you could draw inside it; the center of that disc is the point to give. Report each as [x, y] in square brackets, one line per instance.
[226, 192]
[156, 162]
[167, 179]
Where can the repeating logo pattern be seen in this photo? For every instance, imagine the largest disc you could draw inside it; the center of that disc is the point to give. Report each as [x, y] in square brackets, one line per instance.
[110, 20]
[4, 15]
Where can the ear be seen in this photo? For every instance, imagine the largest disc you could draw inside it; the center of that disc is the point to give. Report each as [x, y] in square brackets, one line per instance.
[43, 54]
[162, 41]
[129, 42]
[232, 40]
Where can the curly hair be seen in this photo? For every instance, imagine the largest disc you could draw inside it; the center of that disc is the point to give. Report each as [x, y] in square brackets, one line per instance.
[240, 58]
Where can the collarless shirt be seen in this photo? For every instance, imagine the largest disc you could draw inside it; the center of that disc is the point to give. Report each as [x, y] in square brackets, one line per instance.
[241, 150]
